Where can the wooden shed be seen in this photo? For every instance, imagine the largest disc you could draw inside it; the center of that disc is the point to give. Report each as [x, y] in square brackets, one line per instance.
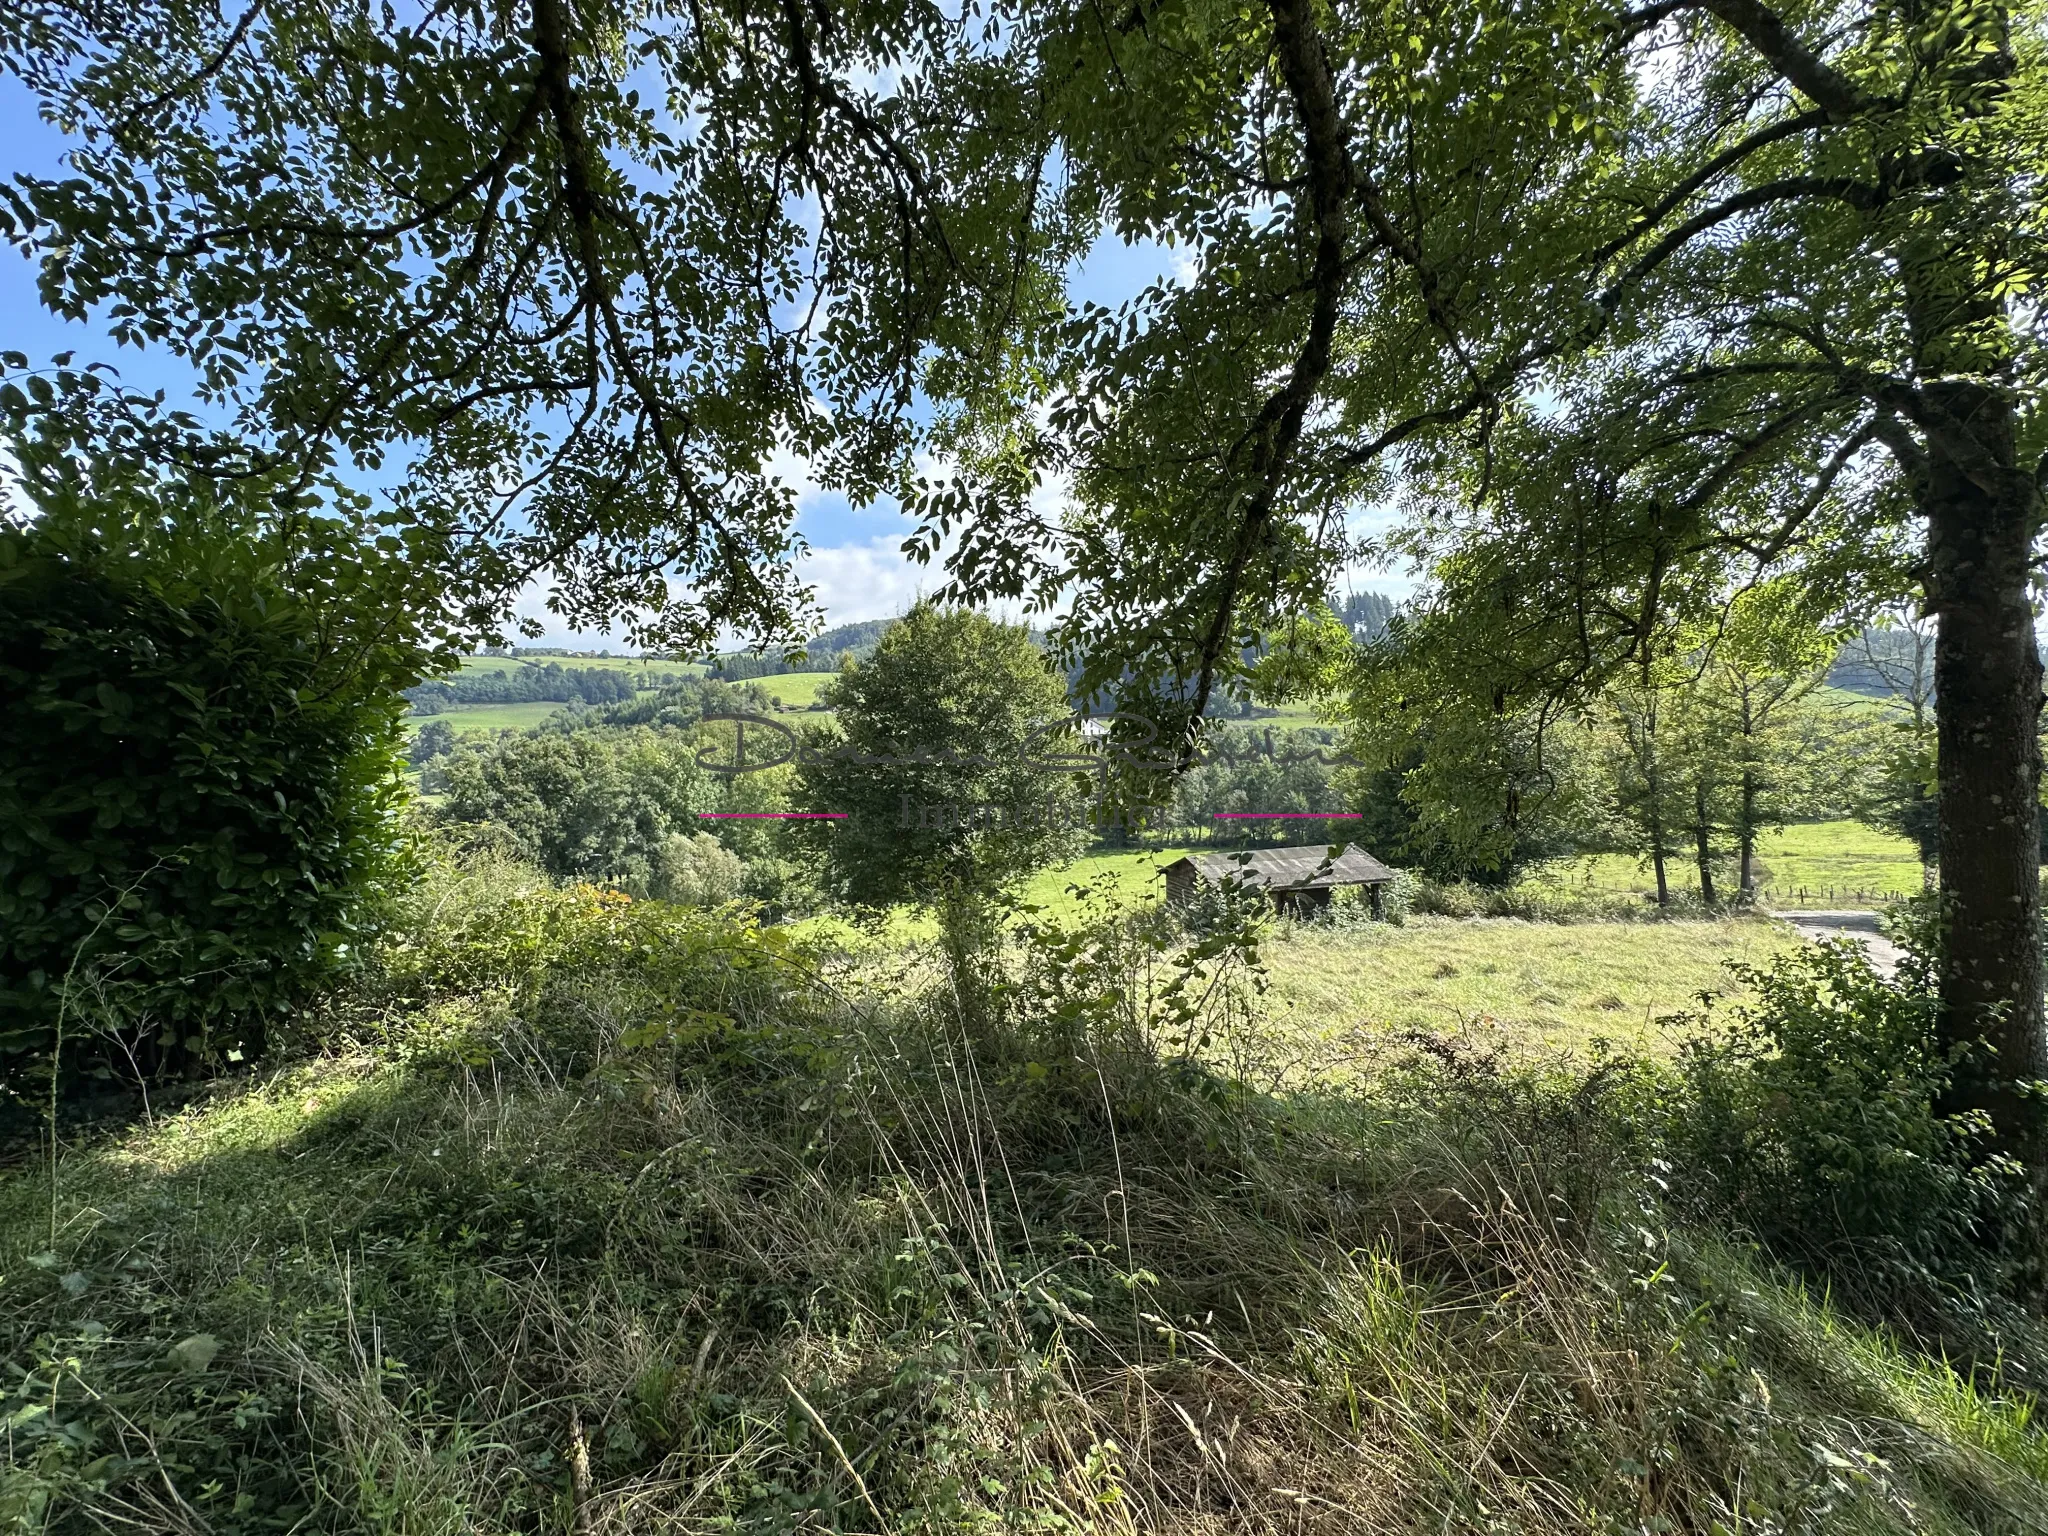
[1297, 879]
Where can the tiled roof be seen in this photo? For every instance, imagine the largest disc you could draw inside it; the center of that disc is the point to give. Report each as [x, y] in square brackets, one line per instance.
[1291, 869]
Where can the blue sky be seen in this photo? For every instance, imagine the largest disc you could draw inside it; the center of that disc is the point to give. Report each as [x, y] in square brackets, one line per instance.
[856, 562]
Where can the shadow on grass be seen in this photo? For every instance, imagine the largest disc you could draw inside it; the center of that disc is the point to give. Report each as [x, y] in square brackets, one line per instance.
[841, 1270]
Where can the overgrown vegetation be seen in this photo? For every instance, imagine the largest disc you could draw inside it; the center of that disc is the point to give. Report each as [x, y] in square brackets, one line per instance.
[197, 781]
[769, 1238]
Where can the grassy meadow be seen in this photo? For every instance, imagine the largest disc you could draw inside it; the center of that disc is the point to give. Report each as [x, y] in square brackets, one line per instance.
[1504, 981]
[794, 690]
[1528, 986]
[596, 1218]
[481, 718]
[1489, 980]
[1818, 857]
[577, 1215]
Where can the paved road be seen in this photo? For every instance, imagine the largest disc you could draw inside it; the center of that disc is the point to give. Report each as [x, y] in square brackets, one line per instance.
[1860, 926]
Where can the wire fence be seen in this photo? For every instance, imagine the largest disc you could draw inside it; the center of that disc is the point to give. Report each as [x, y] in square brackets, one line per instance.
[1824, 897]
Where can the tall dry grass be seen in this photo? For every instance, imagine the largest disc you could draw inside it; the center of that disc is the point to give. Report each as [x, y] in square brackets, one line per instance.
[765, 1249]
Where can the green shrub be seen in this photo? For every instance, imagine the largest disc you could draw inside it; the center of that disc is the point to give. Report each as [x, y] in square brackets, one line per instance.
[478, 948]
[197, 783]
[695, 870]
[1534, 901]
[1810, 1121]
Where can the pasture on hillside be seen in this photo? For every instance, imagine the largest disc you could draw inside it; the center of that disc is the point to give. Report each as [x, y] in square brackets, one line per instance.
[794, 690]
[484, 718]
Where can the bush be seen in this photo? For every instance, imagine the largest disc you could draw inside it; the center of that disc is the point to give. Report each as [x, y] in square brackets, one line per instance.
[1533, 901]
[1809, 1121]
[695, 870]
[480, 952]
[198, 782]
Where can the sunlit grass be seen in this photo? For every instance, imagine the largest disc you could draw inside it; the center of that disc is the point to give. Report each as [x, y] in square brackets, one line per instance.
[408, 1279]
[1818, 857]
[796, 690]
[1553, 985]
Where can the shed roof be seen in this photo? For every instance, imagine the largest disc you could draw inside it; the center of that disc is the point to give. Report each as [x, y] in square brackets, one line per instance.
[1290, 869]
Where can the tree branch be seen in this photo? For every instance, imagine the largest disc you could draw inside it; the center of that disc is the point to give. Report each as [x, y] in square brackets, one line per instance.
[1331, 180]
[1767, 33]
[1730, 157]
[1857, 193]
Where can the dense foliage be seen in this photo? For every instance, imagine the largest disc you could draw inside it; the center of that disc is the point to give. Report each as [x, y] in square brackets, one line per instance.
[608, 265]
[945, 766]
[1245, 767]
[682, 703]
[617, 806]
[1813, 1120]
[197, 790]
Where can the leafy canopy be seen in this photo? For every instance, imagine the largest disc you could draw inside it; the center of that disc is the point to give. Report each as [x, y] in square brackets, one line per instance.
[564, 277]
[941, 773]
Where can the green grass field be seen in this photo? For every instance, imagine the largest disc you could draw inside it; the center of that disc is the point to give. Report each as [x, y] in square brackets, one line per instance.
[1133, 877]
[1291, 717]
[1839, 857]
[1335, 992]
[798, 690]
[1496, 980]
[1501, 981]
[489, 717]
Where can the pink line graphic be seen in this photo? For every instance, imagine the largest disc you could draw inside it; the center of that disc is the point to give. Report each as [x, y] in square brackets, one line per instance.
[773, 815]
[1287, 815]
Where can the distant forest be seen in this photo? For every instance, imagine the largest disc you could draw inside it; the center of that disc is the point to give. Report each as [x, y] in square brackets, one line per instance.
[551, 683]
[822, 654]
[1365, 614]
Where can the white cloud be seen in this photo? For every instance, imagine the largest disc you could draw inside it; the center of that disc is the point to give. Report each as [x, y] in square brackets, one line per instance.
[874, 580]
[793, 470]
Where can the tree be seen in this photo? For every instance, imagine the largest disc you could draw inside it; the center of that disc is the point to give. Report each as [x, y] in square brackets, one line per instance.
[436, 739]
[1247, 769]
[1896, 658]
[1755, 695]
[578, 271]
[1643, 775]
[695, 870]
[941, 769]
[1772, 268]
[1458, 774]
[586, 805]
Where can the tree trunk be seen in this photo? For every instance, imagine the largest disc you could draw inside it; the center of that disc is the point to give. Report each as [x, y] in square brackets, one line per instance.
[1987, 708]
[1745, 838]
[1703, 839]
[1653, 779]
